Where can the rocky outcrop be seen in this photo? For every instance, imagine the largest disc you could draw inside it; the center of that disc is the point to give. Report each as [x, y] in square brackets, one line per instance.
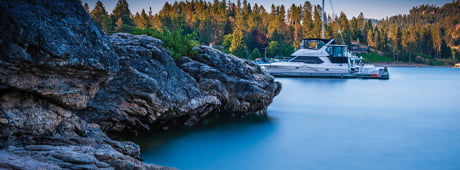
[241, 85]
[65, 87]
[52, 61]
[37, 133]
[150, 91]
[53, 49]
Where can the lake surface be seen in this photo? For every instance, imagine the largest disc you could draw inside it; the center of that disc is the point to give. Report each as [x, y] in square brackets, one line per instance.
[411, 121]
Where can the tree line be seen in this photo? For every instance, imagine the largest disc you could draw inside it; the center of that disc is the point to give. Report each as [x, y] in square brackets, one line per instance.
[251, 31]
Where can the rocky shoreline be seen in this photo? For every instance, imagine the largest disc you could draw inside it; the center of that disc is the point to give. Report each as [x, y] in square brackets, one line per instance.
[66, 89]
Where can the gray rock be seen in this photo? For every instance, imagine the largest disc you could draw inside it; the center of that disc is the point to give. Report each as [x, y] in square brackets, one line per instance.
[52, 61]
[73, 153]
[25, 112]
[241, 86]
[9, 160]
[70, 157]
[148, 91]
[52, 48]
[58, 72]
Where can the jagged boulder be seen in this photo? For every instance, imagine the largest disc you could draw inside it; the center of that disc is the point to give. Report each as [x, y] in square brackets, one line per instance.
[36, 133]
[149, 91]
[52, 48]
[241, 85]
[25, 114]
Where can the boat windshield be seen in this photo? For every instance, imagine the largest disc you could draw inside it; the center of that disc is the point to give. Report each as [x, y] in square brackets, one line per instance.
[337, 50]
[312, 44]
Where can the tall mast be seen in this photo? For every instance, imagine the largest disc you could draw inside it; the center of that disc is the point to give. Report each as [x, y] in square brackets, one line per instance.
[322, 21]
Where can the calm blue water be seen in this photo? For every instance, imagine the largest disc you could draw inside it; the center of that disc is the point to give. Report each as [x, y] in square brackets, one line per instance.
[411, 121]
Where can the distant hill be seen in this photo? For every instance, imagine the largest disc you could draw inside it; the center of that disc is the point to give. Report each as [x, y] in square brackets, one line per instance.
[430, 32]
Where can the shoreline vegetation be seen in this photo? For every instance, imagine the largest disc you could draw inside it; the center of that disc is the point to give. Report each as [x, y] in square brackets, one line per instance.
[379, 60]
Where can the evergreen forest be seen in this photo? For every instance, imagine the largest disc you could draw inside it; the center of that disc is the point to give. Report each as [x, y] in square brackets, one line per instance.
[428, 34]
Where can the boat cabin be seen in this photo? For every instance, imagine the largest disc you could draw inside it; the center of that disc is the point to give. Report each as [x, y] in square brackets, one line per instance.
[315, 43]
[338, 53]
[312, 48]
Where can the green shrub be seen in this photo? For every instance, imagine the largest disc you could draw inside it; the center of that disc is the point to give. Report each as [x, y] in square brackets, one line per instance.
[178, 43]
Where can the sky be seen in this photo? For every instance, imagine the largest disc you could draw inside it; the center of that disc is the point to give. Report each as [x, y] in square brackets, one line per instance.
[375, 9]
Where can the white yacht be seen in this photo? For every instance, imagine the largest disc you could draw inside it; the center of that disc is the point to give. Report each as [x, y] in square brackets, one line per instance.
[319, 57]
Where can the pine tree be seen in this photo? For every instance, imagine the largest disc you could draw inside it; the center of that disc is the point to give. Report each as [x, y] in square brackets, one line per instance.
[141, 20]
[317, 22]
[361, 31]
[121, 11]
[281, 21]
[276, 24]
[370, 38]
[414, 36]
[367, 26]
[272, 21]
[101, 17]
[426, 42]
[307, 21]
[220, 17]
[396, 42]
[294, 17]
[237, 47]
[119, 25]
[436, 35]
[446, 51]
[86, 7]
[345, 28]
[255, 18]
[354, 29]
[206, 30]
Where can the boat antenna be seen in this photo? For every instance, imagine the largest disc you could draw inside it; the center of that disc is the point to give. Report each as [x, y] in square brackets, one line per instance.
[322, 18]
[333, 14]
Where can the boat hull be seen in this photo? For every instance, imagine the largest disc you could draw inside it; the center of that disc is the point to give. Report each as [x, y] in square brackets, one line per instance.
[304, 70]
[331, 75]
